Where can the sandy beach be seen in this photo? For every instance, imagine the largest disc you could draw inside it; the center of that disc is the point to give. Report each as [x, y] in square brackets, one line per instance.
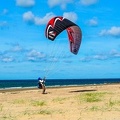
[97, 102]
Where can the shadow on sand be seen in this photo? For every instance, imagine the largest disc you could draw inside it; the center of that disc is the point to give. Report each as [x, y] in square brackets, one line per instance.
[82, 91]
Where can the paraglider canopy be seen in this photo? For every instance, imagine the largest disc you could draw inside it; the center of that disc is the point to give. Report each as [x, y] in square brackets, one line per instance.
[58, 24]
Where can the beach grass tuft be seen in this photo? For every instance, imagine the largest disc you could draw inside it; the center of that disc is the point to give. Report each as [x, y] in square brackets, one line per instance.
[59, 99]
[44, 112]
[113, 104]
[91, 97]
[35, 112]
[1, 107]
[38, 103]
[95, 108]
[18, 101]
[7, 117]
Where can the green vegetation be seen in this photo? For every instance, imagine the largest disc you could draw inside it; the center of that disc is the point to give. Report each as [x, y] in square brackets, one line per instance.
[95, 108]
[38, 103]
[110, 105]
[44, 112]
[96, 97]
[7, 117]
[61, 100]
[113, 104]
[19, 101]
[35, 112]
[1, 107]
[91, 97]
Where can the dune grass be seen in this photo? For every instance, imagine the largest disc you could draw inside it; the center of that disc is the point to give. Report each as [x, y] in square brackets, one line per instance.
[38, 103]
[45, 112]
[109, 106]
[19, 101]
[37, 112]
[30, 102]
[91, 97]
[1, 107]
[96, 98]
[113, 105]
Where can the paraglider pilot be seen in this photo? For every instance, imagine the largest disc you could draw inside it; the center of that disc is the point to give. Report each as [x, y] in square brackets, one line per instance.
[41, 84]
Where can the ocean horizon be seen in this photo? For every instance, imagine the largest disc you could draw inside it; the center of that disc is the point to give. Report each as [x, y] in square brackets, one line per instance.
[33, 83]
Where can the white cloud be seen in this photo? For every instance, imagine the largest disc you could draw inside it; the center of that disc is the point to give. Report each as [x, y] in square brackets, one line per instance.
[3, 24]
[17, 48]
[35, 55]
[7, 59]
[25, 3]
[92, 22]
[100, 57]
[30, 18]
[90, 58]
[114, 53]
[85, 59]
[61, 3]
[70, 15]
[20, 54]
[88, 2]
[113, 31]
[44, 20]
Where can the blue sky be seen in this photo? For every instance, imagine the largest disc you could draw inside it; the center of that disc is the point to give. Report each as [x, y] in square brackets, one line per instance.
[25, 52]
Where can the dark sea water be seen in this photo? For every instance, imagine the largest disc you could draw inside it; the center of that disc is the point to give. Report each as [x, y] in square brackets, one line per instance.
[54, 82]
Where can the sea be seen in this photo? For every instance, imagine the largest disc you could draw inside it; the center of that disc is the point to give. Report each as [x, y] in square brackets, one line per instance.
[30, 83]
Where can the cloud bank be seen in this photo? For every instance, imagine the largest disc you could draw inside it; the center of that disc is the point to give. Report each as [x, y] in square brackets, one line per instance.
[113, 31]
[30, 18]
[93, 22]
[88, 2]
[61, 3]
[25, 3]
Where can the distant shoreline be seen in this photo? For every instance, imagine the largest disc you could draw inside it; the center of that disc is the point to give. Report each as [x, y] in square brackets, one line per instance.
[4, 90]
[52, 83]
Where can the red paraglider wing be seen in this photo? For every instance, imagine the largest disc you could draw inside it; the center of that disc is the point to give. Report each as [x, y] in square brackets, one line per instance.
[57, 24]
[74, 34]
